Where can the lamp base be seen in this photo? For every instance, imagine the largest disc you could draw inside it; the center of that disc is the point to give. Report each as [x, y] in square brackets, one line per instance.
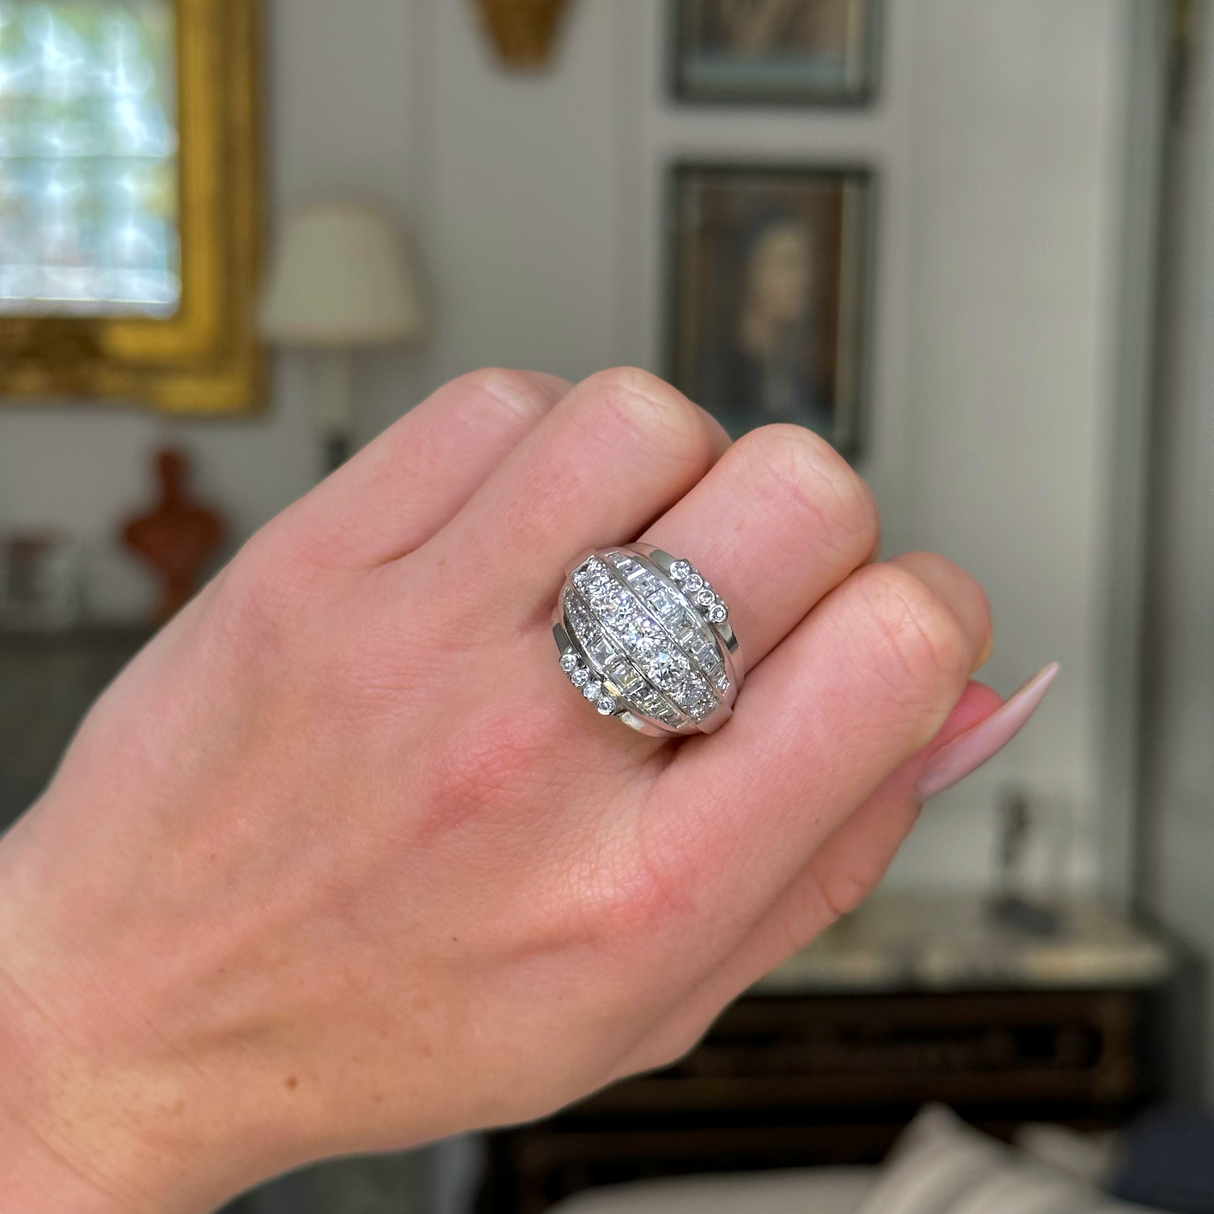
[336, 450]
[332, 409]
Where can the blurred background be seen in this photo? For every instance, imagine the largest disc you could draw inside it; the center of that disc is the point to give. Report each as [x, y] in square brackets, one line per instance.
[968, 241]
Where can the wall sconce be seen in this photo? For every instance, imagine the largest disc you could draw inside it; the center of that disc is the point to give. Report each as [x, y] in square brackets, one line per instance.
[339, 281]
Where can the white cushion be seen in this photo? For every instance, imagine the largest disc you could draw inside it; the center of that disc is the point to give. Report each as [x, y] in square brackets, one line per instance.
[940, 1165]
[936, 1159]
[1091, 1156]
[790, 1191]
[1027, 1188]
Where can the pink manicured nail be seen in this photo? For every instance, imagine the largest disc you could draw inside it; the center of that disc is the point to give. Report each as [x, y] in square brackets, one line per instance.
[966, 753]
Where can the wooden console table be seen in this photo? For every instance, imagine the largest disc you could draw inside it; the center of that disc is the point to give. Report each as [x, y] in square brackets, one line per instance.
[909, 999]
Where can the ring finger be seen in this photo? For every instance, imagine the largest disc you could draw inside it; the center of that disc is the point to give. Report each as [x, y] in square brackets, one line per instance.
[778, 522]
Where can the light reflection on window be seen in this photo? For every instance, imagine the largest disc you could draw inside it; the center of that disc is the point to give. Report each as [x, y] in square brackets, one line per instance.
[88, 158]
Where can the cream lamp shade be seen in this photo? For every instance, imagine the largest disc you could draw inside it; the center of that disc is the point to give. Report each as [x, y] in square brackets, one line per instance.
[338, 281]
[339, 278]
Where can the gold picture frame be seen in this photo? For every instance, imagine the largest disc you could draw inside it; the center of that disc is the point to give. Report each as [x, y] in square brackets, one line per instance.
[205, 358]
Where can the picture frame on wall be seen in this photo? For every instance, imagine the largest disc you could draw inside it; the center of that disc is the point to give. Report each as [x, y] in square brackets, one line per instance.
[770, 294]
[775, 52]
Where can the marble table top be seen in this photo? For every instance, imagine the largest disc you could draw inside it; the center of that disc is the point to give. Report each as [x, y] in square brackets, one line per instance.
[953, 941]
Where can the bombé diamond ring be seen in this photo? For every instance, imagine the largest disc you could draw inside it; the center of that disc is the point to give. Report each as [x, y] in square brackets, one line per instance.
[645, 638]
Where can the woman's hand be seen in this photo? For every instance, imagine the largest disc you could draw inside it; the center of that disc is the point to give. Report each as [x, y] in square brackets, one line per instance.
[343, 863]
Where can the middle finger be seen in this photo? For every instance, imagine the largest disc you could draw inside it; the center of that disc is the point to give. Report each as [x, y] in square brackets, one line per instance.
[615, 453]
[778, 522]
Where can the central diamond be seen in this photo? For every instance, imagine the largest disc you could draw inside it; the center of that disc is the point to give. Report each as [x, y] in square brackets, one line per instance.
[663, 667]
[638, 632]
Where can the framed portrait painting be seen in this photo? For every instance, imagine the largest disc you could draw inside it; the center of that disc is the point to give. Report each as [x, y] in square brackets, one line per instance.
[770, 285]
[775, 52]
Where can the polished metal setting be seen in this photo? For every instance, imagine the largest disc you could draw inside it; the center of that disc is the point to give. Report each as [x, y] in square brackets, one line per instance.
[645, 638]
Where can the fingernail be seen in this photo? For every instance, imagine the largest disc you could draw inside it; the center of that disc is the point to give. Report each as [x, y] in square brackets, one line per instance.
[966, 753]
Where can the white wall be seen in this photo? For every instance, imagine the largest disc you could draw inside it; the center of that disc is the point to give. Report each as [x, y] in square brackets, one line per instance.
[1179, 760]
[535, 202]
[1016, 165]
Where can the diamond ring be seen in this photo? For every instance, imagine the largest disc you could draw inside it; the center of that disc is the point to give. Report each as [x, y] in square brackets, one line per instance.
[645, 638]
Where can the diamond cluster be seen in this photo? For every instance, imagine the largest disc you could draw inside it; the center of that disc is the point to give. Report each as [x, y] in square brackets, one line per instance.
[710, 604]
[645, 638]
[582, 677]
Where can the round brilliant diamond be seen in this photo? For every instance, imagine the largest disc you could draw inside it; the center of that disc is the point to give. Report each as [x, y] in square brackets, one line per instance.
[580, 677]
[680, 570]
[593, 689]
[665, 668]
[705, 597]
[569, 662]
[637, 632]
[605, 705]
[717, 613]
[692, 581]
[604, 594]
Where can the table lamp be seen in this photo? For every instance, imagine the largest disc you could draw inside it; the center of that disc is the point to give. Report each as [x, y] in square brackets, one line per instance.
[339, 281]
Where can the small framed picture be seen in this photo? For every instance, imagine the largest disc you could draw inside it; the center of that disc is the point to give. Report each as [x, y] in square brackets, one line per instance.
[776, 52]
[770, 286]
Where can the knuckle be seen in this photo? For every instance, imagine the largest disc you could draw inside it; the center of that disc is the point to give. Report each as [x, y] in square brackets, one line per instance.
[925, 648]
[628, 888]
[842, 888]
[258, 588]
[811, 475]
[635, 900]
[503, 389]
[647, 409]
[265, 603]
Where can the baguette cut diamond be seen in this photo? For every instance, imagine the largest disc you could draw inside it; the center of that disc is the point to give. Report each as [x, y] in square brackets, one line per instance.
[665, 604]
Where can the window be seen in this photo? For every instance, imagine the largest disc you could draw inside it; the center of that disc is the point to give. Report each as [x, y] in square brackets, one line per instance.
[88, 158]
[129, 201]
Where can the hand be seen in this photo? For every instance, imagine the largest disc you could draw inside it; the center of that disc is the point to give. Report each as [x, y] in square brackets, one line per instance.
[342, 863]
